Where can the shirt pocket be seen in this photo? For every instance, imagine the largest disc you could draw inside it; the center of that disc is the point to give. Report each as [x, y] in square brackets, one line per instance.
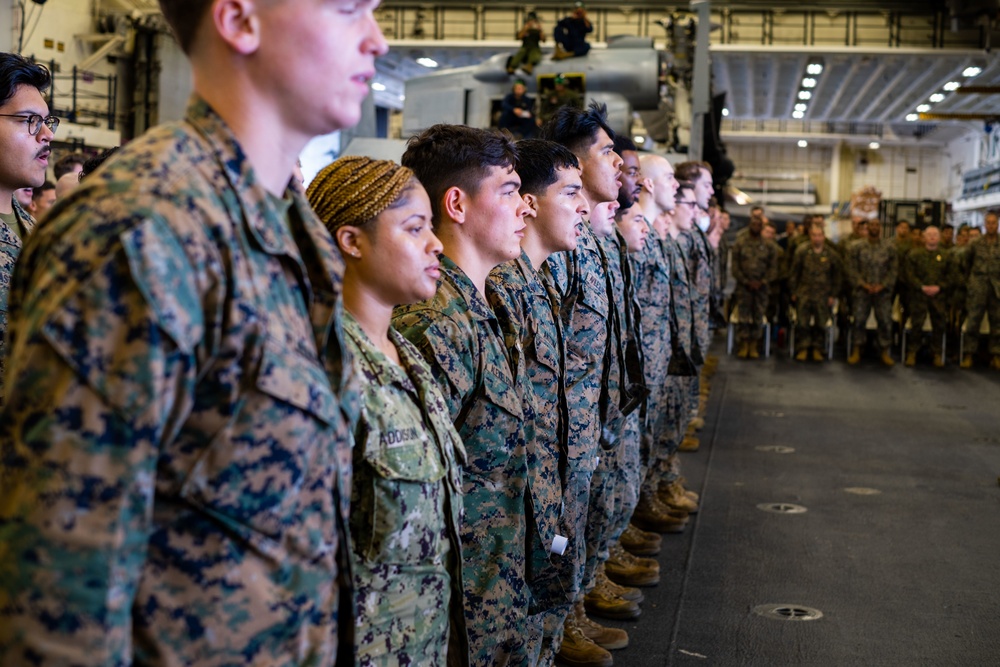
[404, 481]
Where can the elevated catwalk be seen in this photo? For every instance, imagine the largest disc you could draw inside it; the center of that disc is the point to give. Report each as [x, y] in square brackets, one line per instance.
[899, 548]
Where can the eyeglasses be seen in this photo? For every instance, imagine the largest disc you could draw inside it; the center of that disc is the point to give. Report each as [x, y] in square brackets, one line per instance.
[35, 122]
[692, 204]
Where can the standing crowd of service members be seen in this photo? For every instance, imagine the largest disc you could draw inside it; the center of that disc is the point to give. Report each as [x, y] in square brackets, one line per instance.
[424, 413]
[932, 287]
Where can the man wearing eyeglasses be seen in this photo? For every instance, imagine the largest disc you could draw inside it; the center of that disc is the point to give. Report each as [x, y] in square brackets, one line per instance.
[25, 132]
[175, 438]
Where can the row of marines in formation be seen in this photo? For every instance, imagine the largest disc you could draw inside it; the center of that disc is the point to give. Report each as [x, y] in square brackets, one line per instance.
[515, 360]
[932, 280]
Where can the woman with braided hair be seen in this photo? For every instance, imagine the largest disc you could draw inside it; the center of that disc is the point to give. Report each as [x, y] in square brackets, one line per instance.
[406, 494]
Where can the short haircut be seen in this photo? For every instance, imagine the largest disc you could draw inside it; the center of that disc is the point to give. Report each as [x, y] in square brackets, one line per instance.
[576, 129]
[36, 193]
[17, 71]
[91, 165]
[446, 156]
[756, 208]
[67, 163]
[623, 143]
[686, 186]
[538, 161]
[184, 17]
[691, 171]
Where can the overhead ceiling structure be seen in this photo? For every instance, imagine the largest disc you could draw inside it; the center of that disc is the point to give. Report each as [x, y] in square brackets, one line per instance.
[865, 94]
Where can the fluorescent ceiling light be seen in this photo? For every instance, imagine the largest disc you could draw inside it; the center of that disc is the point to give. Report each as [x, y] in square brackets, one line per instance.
[725, 111]
[808, 83]
[378, 86]
[972, 71]
[639, 139]
[798, 114]
[801, 106]
[803, 143]
[427, 62]
[873, 145]
[814, 69]
[952, 85]
[937, 97]
[923, 108]
[804, 95]
[912, 117]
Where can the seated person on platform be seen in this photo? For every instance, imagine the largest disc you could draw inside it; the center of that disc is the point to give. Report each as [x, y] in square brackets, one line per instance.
[559, 96]
[571, 34]
[530, 53]
[405, 497]
[518, 114]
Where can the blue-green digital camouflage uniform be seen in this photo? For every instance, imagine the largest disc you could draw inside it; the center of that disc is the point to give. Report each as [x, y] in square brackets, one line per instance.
[652, 279]
[814, 278]
[698, 253]
[12, 239]
[873, 264]
[460, 338]
[754, 258]
[623, 464]
[527, 308]
[928, 267]
[406, 504]
[579, 277]
[983, 287]
[676, 396]
[175, 445]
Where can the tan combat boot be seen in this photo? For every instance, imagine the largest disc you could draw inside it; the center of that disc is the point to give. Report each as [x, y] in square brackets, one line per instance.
[672, 495]
[995, 362]
[855, 355]
[578, 650]
[624, 592]
[801, 355]
[611, 639]
[639, 542]
[689, 444]
[753, 352]
[628, 570]
[938, 360]
[818, 356]
[697, 424]
[966, 361]
[887, 359]
[604, 604]
[652, 514]
[911, 358]
[744, 350]
[560, 53]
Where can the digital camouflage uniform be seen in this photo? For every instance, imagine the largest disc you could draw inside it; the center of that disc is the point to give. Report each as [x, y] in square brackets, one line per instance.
[623, 464]
[753, 258]
[12, 238]
[983, 287]
[925, 267]
[175, 442]
[698, 254]
[874, 264]
[527, 308]
[459, 337]
[406, 506]
[652, 279]
[678, 414]
[814, 278]
[579, 277]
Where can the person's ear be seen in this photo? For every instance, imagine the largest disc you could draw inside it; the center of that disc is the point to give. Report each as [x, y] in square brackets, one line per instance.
[238, 24]
[456, 204]
[348, 240]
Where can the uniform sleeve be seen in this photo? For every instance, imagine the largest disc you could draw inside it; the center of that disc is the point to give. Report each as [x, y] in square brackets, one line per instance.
[794, 274]
[893, 272]
[853, 267]
[837, 275]
[737, 268]
[95, 384]
[449, 349]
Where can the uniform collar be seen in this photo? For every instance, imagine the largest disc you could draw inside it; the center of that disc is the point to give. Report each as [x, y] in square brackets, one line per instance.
[478, 307]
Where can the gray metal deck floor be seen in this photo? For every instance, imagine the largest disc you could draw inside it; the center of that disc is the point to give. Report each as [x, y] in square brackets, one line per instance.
[907, 576]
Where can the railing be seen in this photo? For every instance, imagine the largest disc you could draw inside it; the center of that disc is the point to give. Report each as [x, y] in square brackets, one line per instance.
[83, 97]
[930, 29]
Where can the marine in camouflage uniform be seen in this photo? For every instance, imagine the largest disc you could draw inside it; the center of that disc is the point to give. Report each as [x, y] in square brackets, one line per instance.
[652, 279]
[175, 441]
[406, 505]
[814, 280]
[527, 308]
[698, 256]
[579, 277]
[460, 338]
[872, 262]
[925, 267]
[983, 286]
[755, 267]
[14, 230]
[623, 464]
[677, 407]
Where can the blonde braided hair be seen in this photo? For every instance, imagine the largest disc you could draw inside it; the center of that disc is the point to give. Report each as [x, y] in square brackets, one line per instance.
[353, 190]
